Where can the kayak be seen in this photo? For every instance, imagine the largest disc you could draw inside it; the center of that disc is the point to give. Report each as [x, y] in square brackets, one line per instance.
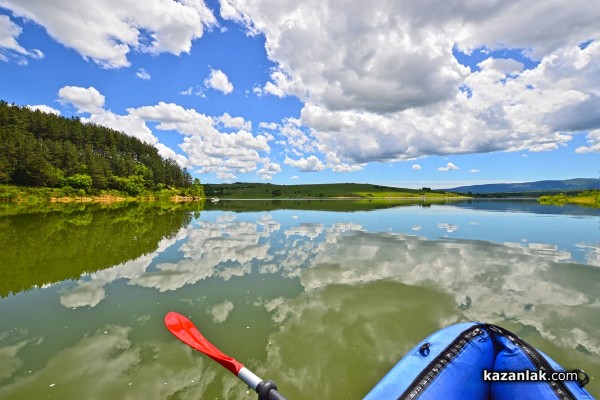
[474, 360]
[470, 361]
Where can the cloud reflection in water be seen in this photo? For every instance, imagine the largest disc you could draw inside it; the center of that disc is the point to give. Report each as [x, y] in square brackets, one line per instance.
[107, 364]
[525, 282]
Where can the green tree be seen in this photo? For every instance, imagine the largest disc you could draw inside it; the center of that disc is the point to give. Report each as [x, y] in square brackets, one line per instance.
[196, 189]
[143, 171]
[79, 181]
[133, 185]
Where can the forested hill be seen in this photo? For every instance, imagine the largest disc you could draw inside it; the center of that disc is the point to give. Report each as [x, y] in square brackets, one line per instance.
[39, 149]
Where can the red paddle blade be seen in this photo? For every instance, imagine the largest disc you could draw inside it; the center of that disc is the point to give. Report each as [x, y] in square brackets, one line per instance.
[186, 331]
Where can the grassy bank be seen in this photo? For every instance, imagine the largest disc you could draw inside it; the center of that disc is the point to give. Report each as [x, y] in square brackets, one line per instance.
[38, 195]
[589, 198]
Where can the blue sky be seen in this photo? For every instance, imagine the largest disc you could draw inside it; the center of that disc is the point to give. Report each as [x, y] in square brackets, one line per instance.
[436, 95]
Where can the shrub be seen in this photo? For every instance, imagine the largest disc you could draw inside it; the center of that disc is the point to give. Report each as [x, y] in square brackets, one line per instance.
[79, 181]
[133, 186]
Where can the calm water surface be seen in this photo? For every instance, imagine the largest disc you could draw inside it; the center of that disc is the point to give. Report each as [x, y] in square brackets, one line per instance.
[322, 302]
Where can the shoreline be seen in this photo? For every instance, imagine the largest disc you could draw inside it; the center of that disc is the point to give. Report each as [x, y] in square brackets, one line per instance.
[110, 199]
[40, 195]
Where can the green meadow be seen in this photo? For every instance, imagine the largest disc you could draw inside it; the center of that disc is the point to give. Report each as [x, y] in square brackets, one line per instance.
[242, 190]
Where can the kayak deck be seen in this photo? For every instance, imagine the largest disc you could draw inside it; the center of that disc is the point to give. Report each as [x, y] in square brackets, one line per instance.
[477, 361]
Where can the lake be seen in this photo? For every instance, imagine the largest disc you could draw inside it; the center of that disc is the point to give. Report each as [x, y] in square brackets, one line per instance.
[322, 297]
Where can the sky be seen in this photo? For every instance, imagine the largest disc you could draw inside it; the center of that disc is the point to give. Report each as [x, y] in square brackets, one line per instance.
[400, 93]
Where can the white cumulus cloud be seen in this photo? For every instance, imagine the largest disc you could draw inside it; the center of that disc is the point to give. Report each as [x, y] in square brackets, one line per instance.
[217, 80]
[593, 140]
[268, 170]
[449, 167]
[86, 100]
[128, 124]
[269, 125]
[106, 31]
[143, 74]
[208, 149]
[235, 122]
[309, 164]
[10, 49]
[45, 109]
[388, 87]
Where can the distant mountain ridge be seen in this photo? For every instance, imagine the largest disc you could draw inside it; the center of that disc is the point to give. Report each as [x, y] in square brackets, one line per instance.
[577, 184]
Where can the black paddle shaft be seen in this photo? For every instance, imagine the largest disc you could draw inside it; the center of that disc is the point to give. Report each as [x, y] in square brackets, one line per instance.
[267, 390]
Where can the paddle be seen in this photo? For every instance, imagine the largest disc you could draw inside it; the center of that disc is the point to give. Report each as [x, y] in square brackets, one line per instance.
[186, 331]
